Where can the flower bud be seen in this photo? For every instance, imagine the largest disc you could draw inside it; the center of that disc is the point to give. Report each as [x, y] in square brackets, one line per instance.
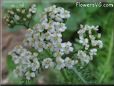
[23, 11]
[29, 15]
[11, 21]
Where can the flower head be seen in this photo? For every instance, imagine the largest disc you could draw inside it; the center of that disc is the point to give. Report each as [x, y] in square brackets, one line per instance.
[25, 61]
[47, 63]
[69, 63]
[90, 40]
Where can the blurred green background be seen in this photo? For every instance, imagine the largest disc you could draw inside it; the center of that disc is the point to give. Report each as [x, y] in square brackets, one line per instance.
[101, 69]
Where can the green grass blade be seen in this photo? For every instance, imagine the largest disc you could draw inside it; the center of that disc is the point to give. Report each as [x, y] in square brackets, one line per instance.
[79, 75]
[108, 59]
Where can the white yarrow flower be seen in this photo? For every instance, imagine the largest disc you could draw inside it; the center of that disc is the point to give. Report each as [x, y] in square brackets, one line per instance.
[47, 63]
[69, 63]
[46, 37]
[16, 17]
[25, 61]
[89, 42]
[60, 63]
[33, 9]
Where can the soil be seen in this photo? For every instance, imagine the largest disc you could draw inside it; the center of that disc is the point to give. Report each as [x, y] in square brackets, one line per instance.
[9, 41]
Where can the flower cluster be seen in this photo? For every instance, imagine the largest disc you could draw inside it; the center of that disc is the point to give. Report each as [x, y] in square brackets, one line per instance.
[27, 63]
[20, 16]
[57, 14]
[44, 36]
[48, 35]
[90, 40]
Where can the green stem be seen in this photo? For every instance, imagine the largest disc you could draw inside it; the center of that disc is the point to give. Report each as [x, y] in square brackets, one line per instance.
[64, 75]
[29, 22]
[26, 26]
[23, 25]
[79, 75]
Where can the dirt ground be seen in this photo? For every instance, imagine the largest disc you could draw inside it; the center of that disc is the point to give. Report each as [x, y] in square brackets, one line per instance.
[9, 40]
